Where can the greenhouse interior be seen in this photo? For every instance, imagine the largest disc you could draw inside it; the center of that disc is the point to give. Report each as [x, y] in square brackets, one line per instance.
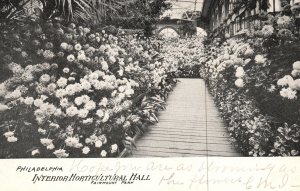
[149, 78]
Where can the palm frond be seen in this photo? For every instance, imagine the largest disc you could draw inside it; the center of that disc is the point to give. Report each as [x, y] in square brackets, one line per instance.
[70, 10]
[14, 10]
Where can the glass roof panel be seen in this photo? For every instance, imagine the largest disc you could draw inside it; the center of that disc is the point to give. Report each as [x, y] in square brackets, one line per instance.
[181, 6]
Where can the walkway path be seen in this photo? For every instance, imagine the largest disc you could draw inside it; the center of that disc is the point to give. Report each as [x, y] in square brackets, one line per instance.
[190, 126]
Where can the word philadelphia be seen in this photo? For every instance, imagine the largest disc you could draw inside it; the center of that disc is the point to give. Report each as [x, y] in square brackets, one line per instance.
[95, 179]
[37, 169]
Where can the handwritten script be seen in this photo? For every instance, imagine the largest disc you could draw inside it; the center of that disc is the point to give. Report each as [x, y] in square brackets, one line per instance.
[202, 173]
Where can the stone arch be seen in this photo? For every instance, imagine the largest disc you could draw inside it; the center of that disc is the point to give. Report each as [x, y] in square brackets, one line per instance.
[168, 27]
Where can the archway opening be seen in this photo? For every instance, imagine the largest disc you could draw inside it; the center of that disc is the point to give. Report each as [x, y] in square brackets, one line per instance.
[168, 33]
[201, 32]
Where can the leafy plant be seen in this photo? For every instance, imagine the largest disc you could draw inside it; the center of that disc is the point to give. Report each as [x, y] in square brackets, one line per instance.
[140, 15]
[13, 9]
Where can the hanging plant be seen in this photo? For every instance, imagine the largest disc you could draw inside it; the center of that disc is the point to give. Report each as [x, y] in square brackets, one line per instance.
[263, 16]
[236, 9]
[264, 4]
[283, 3]
[251, 4]
[296, 9]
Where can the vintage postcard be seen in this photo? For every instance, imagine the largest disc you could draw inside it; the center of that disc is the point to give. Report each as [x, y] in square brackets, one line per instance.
[150, 94]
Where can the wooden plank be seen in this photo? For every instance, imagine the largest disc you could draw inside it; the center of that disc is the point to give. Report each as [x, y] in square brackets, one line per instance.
[184, 154]
[178, 135]
[212, 136]
[189, 132]
[209, 154]
[185, 140]
[203, 139]
[185, 151]
[195, 129]
[193, 121]
[190, 126]
[190, 144]
[176, 150]
[169, 154]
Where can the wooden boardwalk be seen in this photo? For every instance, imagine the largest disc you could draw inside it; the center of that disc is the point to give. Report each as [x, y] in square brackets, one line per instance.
[189, 127]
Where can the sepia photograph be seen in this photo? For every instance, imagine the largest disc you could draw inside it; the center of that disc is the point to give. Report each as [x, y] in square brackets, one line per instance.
[149, 78]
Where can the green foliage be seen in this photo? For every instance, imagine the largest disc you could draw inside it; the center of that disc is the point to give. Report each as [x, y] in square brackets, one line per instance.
[12, 9]
[69, 10]
[263, 119]
[38, 53]
[188, 28]
[141, 15]
[251, 4]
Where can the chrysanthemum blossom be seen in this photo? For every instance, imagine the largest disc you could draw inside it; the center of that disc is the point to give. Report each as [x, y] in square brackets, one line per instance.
[100, 113]
[86, 85]
[103, 153]
[296, 85]
[85, 98]
[12, 139]
[267, 30]
[73, 142]
[60, 93]
[239, 83]
[51, 87]
[121, 89]
[83, 113]
[70, 89]
[48, 54]
[77, 47]
[64, 102]
[71, 58]
[62, 82]
[260, 59]
[239, 72]
[283, 21]
[93, 76]
[66, 70]
[3, 107]
[64, 46]
[114, 148]
[78, 101]
[85, 150]
[106, 117]
[286, 80]
[14, 95]
[88, 121]
[294, 152]
[103, 102]
[81, 57]
[288, 93]
[46, 141]
[98, 144]
[35, 152]
[86, 30]
[129, 92]
[58, 113]
[296, 65]
[48, 109]
[3, 90]
[50, 147]
[71, 111]
[61, 153]
[28, 100]
[9, 134]
[272, 88]
[249, 52]
[91, 105]
[104, 66]
[42, 131]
